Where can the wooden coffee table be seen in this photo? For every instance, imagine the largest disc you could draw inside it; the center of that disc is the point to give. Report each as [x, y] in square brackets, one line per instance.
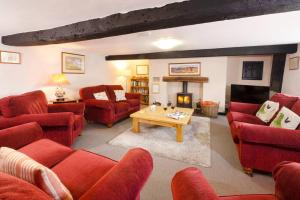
[158, 117]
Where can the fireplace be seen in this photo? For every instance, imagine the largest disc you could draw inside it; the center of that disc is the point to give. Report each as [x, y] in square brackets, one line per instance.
[184, 99]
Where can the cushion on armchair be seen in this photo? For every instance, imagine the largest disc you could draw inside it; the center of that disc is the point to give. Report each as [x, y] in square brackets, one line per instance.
[12, 188]
[19, 165]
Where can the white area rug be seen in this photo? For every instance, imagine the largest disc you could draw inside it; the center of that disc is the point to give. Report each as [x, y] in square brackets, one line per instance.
[161, 141]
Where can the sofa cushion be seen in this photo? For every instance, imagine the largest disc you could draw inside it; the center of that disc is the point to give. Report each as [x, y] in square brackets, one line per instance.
[268, 111]
[286, 119]
[121, 107]
[120, 95]
[87, 166]
[101, 96]
[242, 117]
[20, 165]
[46, 152]
[284, 100]
[133, 102]
[29, 103]
[88, 92]
[110, 90]
[12, 188]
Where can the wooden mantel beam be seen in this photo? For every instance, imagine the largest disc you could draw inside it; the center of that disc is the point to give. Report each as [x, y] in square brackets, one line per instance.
[169, 16]
[194, 79]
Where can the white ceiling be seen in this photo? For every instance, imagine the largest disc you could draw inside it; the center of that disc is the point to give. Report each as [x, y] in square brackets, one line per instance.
[20, 16]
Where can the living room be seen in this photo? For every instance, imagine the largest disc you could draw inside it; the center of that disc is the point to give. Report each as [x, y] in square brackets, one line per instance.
[151, 100]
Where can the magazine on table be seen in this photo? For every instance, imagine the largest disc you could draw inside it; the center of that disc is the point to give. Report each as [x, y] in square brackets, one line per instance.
[176, 115]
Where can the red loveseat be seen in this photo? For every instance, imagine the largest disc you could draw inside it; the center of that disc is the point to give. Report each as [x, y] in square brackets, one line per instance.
[87, 176]
[259, 146]
[190, 184]
[108, 111]
[60, 122]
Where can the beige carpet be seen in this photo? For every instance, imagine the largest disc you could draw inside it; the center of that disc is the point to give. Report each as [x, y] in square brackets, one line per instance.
[225, 174]
[195, 148]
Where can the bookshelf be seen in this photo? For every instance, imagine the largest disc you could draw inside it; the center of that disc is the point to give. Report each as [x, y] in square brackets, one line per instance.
[140, 85]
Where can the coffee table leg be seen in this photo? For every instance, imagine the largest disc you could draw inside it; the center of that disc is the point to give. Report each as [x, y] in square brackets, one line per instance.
[179, 133]
[190, 121]
[135, 125]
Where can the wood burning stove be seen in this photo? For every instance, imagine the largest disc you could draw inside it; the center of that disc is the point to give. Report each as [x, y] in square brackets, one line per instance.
[184, 99]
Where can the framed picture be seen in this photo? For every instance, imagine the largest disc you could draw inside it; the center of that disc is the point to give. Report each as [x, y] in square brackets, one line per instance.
[155, 88]
[185, 69]
[294, 63]
[253, 70]
[73, 63]
[142, 70]
[9, 57]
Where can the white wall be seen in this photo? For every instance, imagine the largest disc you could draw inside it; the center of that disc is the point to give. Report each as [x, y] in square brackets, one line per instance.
[235, 72]
[214, 68]
[291, 78]
[39, 63]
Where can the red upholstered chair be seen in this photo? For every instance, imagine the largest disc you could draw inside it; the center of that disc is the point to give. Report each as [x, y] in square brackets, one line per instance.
[190, 184]
[108, 111]
[60, 122]
[259, 146]
[87, 176]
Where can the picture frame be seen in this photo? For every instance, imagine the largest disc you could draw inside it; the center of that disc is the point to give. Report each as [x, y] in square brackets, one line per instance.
[294, 63]
[10, 57]
[253, 70]
[155, 88]
[142, 69]
[185, 69]
[72, 63]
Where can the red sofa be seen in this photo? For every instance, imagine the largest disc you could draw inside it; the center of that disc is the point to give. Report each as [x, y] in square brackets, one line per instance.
[60, 122]
[259, 146]
[87, 176]
[190, 184]
[108, 111]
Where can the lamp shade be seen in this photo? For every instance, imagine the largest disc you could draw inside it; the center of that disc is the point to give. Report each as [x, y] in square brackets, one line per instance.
[60, 79]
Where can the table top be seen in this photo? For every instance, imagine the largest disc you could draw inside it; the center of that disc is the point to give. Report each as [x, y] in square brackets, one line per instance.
[64, 101]
[161, 115]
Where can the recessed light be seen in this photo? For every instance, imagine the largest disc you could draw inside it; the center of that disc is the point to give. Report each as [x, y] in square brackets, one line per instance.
[166, 43]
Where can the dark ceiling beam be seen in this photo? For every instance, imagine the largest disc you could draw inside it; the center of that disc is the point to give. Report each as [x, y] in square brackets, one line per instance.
[169, 16]
[235, 51]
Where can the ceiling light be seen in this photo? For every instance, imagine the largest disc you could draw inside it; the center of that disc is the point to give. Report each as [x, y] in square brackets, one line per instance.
[166, 43]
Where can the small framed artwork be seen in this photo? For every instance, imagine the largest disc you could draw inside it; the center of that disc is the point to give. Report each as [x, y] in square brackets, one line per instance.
[294, 63]
[73, 63]
[9, 57]
[142, 70]
[155, 88]
[253, 70]
[185, 69]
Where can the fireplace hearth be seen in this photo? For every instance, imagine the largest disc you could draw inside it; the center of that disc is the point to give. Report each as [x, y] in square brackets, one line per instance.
[184, 99]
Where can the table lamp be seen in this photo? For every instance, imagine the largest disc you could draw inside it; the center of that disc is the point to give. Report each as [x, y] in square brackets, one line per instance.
[60, 80]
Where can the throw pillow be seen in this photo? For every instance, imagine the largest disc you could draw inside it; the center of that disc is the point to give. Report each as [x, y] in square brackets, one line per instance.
[101, 96]
[19, 165]
[120, 95]
[267, 111]
[286, 119]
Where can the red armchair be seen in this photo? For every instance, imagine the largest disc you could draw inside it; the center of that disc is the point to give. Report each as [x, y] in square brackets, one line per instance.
[259, 146]
[87, 176]
[190, 184]
[108, 111]
[60, 122]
